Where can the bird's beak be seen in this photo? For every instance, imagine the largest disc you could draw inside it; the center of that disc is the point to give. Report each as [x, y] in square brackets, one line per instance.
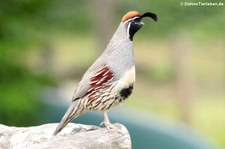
[142, 23]
[150, 15]
[139, 24]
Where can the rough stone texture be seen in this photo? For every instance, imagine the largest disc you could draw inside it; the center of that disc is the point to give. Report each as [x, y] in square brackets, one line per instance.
[73, 136]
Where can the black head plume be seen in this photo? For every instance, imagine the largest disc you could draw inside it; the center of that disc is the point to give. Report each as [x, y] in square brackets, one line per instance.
[150, 15]
[134, 21]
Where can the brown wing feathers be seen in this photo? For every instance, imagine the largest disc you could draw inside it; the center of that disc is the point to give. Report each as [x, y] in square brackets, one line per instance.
[100, 81]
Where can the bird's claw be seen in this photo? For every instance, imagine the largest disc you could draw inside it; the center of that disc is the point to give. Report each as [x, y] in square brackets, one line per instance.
[111, 127]
[108, 125]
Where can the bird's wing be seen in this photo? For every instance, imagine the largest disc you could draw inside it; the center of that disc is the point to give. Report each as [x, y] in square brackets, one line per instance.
[91, 82]
[93, 79]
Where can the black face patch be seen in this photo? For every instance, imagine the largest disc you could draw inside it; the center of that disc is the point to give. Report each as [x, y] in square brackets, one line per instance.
[134, 27]
[125, 92]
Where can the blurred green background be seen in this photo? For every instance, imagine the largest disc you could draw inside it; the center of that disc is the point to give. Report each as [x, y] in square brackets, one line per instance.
[179, 60]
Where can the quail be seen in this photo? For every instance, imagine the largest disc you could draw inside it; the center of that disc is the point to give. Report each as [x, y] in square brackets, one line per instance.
[110, 79]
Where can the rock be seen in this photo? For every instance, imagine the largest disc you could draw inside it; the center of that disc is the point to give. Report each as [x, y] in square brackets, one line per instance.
[76, 136]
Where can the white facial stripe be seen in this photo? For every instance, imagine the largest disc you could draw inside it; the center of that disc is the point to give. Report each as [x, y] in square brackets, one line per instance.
[131, 19]
[128, 28]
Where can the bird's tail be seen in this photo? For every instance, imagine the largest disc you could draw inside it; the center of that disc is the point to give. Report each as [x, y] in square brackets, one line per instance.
[71, 113]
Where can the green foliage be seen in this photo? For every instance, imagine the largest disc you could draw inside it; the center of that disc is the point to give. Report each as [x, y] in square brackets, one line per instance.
[19, 102]
[19, 86]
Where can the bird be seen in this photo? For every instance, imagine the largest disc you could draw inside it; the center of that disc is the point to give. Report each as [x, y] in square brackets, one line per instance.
[110, 79]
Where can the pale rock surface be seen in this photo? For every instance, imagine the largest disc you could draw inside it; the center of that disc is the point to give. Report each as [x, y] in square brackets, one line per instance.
[73, 136]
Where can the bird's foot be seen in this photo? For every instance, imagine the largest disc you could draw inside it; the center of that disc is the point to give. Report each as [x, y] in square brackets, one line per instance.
[113, 127]
[110, 126]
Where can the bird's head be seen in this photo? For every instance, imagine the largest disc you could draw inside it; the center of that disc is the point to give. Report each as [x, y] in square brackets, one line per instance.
[132, 21]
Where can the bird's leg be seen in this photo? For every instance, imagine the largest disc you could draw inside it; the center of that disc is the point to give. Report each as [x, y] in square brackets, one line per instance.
[107, 123]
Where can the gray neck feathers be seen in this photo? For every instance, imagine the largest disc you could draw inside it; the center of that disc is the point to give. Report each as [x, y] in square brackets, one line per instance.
[119, 52]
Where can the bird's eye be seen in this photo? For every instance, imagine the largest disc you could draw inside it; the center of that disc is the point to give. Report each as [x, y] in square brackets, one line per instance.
[137, 20]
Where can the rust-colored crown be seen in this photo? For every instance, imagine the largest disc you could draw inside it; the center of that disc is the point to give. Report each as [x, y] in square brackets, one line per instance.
[129, 15]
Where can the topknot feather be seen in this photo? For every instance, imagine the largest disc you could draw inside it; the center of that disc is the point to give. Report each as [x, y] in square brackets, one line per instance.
[129, 15]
